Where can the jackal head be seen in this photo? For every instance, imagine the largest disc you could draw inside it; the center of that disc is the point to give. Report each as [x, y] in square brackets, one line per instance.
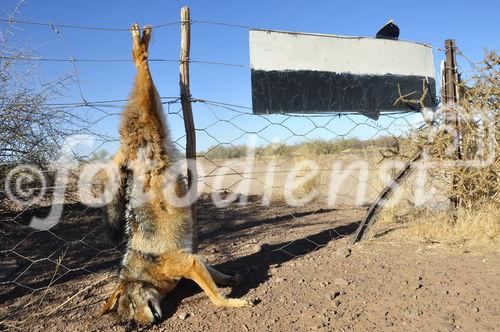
[135, 301]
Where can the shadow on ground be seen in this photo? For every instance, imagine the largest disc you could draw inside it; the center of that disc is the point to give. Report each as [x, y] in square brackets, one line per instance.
[255, 267]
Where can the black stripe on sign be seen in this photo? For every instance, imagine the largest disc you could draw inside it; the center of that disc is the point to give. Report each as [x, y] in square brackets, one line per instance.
[306, 91]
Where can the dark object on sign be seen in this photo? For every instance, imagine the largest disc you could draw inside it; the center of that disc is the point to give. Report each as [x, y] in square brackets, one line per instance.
[313, 73]
[388, 31]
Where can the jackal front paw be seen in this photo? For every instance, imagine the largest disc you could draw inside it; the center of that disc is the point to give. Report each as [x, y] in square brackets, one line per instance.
[250, 302]
[234, 303]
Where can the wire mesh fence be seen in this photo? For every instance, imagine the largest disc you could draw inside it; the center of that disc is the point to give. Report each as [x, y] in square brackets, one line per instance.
[279, 185]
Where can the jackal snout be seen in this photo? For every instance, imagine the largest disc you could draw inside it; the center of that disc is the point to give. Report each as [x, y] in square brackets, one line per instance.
[135, 301]
[140, 43]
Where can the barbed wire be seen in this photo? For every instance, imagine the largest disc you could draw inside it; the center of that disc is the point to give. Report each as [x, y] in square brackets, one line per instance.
[82, 27]
[224, 24]
[99, 28]
[207, 62]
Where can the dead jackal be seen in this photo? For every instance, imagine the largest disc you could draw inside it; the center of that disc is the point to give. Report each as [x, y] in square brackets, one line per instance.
[158, 234]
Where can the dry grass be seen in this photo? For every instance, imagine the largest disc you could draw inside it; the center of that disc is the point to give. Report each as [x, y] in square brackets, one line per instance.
[314, 187]
[315, 147]
[481, 226]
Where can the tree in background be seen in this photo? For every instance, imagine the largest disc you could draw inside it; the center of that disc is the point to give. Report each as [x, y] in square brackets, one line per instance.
[31, 130]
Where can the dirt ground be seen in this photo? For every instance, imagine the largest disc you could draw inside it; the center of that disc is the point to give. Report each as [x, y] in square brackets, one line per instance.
[296, 263]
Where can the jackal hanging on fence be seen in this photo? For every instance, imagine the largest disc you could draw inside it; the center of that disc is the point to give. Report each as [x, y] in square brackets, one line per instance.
[158, 234]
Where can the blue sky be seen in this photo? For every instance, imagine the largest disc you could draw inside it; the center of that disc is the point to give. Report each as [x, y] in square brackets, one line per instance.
[474, 25]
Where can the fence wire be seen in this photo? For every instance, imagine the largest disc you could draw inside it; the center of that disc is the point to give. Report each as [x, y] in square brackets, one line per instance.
[246, 160]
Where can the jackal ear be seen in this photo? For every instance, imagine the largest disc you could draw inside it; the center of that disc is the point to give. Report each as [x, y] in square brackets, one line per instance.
[112, 302]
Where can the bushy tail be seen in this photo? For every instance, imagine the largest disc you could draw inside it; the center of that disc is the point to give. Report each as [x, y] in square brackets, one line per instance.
[113, 217]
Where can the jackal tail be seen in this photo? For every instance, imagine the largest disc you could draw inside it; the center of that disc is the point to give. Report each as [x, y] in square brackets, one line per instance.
[113, 217]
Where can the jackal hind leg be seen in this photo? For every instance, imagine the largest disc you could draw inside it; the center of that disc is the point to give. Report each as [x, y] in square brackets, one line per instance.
[199, 273]
[140, 44]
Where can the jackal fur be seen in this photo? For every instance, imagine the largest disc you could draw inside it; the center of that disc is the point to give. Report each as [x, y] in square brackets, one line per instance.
[158, 234]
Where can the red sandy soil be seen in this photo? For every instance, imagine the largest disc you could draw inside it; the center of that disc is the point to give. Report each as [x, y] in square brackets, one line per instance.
[298, 264]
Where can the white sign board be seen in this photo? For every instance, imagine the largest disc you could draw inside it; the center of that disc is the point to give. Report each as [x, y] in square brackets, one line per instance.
[312, 73]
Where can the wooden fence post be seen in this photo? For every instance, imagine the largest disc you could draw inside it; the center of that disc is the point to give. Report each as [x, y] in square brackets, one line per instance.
[187, 112]
[449, 90]
[450, 96]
